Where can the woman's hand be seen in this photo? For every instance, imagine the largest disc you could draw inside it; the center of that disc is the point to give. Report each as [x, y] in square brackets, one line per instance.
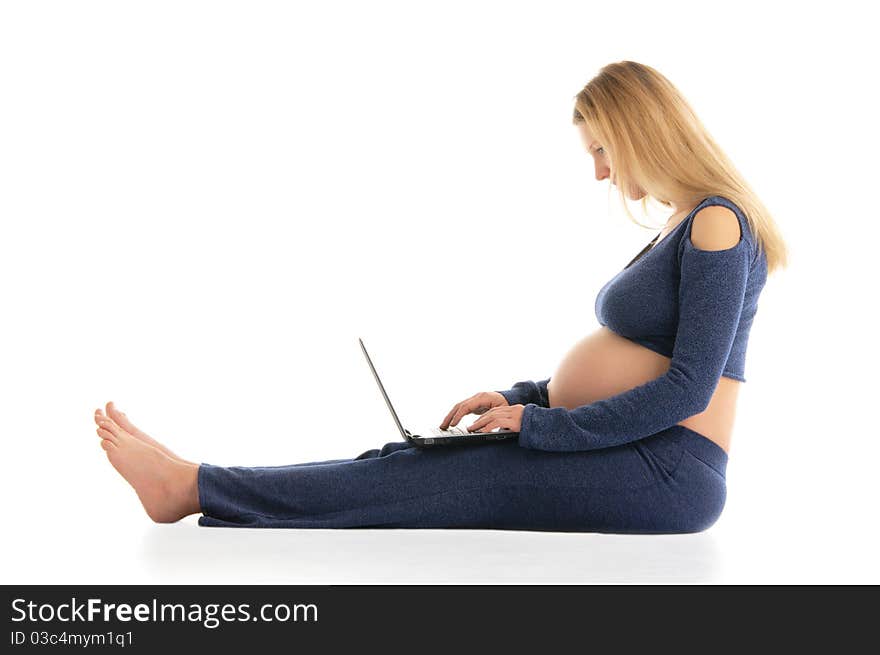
[506, 418]
[476, 404]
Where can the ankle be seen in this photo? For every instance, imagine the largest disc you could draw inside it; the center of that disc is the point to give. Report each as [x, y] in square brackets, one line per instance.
[184, 487]
[191, 482]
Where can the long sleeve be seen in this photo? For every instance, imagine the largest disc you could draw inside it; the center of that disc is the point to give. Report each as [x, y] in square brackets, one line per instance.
[711, 294]
[528, 391]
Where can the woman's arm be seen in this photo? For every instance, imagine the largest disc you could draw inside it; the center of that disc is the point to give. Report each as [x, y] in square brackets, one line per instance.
[527, 391]
[711, 296]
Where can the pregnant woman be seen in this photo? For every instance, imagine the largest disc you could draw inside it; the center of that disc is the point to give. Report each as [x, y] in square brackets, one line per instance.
[631, 433]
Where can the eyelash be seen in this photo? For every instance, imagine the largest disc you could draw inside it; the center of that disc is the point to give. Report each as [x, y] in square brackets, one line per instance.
[599, 148]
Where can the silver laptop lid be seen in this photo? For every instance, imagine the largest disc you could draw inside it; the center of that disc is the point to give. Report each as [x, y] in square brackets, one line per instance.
[403, 432]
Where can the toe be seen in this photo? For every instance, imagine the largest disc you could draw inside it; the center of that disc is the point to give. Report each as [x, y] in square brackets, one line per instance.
[106, 435]
[111, 411]
[120, 417]
[101, 417]
[109, 426]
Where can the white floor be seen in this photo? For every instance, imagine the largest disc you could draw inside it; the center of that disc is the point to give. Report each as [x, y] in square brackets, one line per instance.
[133, 551]
[100, 535]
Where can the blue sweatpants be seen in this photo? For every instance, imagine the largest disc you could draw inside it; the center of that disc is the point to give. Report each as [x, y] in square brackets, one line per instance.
[670, 482]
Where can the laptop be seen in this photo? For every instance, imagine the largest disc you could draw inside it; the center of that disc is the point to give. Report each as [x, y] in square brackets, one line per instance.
[453, 436]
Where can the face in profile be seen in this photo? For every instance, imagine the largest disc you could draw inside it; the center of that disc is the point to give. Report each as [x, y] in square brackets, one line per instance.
[602, 161]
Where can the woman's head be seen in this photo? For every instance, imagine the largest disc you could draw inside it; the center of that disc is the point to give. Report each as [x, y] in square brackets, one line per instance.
[602, 161]
[643, 134]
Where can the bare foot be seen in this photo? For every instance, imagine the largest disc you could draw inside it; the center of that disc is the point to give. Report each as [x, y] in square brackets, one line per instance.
[122, 421]
[167, 487]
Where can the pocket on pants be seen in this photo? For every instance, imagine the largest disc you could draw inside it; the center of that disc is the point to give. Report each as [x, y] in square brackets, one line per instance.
[662, 452]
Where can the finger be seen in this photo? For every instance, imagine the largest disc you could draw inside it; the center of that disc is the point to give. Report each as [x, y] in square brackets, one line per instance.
[483, 427]
[479, 423]
[445, 421]
[461, 411]
[495, 417]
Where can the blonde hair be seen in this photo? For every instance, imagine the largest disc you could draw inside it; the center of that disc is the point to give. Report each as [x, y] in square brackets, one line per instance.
[659, 145]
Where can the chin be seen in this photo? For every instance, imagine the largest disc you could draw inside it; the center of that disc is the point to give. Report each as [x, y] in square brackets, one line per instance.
[636, 196]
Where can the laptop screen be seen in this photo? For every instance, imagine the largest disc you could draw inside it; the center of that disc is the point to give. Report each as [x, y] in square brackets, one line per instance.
[382, 389]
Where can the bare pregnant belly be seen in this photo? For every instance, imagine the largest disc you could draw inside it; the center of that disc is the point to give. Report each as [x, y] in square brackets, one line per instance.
[604, 364]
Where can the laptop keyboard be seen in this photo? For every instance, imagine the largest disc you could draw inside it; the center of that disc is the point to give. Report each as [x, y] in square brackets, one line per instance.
[452, 430]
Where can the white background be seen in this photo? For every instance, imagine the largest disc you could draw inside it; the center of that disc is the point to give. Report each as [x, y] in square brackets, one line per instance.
[205, 204]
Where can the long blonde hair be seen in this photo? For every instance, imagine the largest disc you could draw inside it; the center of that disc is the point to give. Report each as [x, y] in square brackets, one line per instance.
[658, 144]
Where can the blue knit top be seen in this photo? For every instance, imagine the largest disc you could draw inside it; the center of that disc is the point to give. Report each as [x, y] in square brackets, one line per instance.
[694, 306]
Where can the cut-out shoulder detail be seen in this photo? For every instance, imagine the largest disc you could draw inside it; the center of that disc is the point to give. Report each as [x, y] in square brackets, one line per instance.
[715, 227]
